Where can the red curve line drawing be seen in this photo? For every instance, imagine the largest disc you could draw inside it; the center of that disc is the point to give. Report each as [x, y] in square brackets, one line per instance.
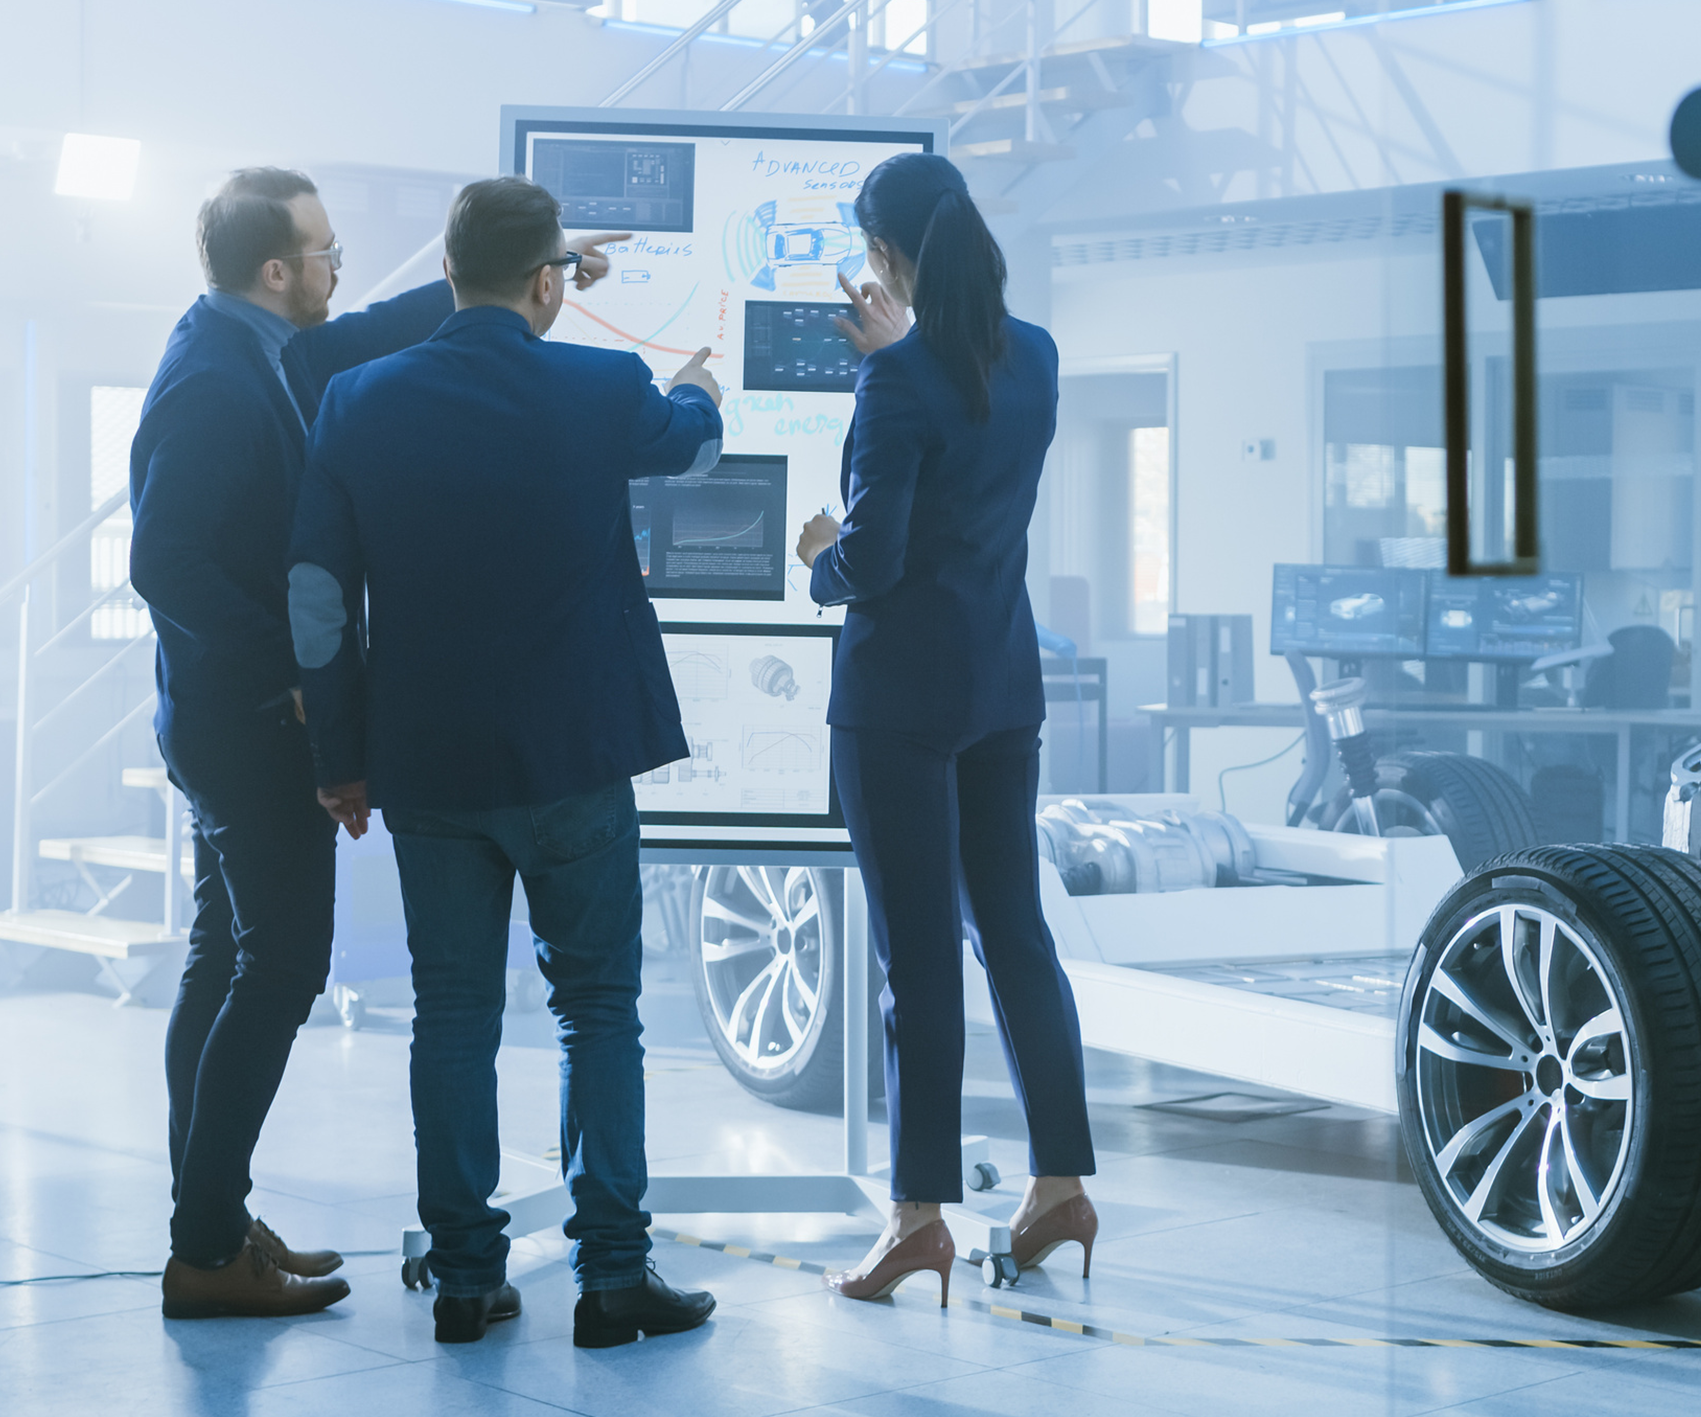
[659, 348]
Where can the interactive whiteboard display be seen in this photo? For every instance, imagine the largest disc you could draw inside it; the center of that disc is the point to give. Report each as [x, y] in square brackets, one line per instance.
[741, 228]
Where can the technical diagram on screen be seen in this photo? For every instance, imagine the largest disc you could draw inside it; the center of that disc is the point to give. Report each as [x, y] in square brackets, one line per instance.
[719, 535]
[1513, 618]
[796, 345]
[626, 186]
[1348, 611]
[742, 227]
[753, 701]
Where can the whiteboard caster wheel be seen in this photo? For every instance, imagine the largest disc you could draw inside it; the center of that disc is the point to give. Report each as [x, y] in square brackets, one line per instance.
[984, 1177]
[416, 1273]
[999, 1270]
[527, 995]
[351, 1006]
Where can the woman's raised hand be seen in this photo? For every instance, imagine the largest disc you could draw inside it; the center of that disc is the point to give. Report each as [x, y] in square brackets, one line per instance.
[818, 534]
[880, 320]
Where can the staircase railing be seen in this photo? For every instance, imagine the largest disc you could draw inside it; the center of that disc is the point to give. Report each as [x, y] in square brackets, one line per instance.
[1016, 31]
[26, 796]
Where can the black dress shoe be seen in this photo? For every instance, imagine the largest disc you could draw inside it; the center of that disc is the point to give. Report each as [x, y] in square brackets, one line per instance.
[604, 1318]
[465, 1320]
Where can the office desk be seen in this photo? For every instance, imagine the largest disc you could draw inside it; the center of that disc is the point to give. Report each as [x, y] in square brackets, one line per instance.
[1081, 681]
[1616, 723]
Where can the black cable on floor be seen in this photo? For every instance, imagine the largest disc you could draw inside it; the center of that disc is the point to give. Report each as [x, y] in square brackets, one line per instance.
[153, 1273]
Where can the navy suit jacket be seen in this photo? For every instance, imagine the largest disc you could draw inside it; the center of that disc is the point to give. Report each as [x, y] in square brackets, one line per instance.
[939, 634]
[474, 490]
[214, 473]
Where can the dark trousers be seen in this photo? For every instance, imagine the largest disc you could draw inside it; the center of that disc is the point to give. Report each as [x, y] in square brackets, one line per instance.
[578, 861]
[259, 954]
[940, 829]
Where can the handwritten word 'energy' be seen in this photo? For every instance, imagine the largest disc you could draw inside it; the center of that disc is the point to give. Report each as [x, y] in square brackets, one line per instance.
[751, 413]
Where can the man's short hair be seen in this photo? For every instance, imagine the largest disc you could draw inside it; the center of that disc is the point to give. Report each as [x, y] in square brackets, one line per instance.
[247, 223]
[500, 231]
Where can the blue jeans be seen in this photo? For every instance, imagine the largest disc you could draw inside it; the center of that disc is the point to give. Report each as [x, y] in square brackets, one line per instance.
[578, 861]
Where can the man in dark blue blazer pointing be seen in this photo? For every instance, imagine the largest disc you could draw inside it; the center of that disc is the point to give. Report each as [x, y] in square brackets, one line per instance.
[470, 495]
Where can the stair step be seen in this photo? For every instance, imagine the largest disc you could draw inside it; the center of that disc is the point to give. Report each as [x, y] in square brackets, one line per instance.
[1015, 150]
[1112, 47]
[127, 853]
[154, 778]
[1067, 99]
[86, 934]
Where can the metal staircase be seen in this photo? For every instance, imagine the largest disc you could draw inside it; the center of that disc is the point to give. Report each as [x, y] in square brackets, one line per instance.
[139, 959]
[1016, 81]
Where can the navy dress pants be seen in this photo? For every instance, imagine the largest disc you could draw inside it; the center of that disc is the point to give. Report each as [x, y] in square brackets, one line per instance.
[940, 831]
[259, 954]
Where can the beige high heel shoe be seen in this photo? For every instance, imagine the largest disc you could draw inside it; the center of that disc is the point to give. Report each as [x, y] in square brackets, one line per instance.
[930, 1247]
[1073, 1221]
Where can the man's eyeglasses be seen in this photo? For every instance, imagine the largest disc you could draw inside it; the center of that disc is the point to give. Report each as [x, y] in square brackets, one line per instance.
[567, 261]
[334, 251]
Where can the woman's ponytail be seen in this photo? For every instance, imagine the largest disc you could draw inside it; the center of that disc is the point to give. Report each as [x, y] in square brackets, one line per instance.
[959, 297]
[919, 204]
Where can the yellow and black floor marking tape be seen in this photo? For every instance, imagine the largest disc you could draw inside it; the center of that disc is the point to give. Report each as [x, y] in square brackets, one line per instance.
[1004, 1311]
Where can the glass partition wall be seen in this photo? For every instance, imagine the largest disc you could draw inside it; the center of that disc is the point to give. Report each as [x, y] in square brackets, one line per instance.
[1309, 427]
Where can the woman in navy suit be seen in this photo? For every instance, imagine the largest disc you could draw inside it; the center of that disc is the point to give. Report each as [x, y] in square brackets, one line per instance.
[937, 704]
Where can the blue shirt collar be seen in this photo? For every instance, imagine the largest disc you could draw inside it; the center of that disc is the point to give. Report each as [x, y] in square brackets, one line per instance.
[273, 330]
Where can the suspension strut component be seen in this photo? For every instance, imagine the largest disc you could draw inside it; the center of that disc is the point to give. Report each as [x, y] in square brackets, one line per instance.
[1342, 706]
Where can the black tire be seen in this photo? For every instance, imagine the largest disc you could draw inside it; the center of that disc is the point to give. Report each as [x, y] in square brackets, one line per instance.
[808, 1076]
[1604, 1063]
[1476, 806]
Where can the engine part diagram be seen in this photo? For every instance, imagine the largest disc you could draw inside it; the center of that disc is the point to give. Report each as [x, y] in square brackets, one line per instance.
[753, 705]
[773, 676]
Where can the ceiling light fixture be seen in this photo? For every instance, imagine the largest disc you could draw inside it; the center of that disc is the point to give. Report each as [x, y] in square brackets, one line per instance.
[518, 7]
[102, 168]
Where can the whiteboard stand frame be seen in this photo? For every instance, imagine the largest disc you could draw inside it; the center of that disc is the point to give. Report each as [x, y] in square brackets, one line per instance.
[850, 1191]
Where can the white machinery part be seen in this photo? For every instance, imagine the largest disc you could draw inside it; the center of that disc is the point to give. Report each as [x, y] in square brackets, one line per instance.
[1207, 978]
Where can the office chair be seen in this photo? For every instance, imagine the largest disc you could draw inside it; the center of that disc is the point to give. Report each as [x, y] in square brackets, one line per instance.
[1637, 675]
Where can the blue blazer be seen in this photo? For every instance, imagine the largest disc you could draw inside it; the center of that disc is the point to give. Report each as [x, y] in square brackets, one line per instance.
[473, 490]
[939, 635]
[214, 473]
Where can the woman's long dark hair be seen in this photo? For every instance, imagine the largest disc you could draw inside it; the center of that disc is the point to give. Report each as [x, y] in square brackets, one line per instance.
[919, 204]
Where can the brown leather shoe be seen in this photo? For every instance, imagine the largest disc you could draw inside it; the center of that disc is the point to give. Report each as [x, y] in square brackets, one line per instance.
[251, 1286]
[929, 1248]
[1073, 1221]
[310, 1264]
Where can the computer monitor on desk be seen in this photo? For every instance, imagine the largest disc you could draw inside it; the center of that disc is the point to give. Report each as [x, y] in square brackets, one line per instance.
[1504, 619]
[1348, 612]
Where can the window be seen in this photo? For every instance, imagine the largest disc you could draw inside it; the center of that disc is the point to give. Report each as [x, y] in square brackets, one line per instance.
[114, 414]
[1148, 530]
[896, 22]
[1384, 470]
[1111, 502]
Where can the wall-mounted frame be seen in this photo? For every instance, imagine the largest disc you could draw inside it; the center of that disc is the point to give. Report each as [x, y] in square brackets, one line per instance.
[1456, 383]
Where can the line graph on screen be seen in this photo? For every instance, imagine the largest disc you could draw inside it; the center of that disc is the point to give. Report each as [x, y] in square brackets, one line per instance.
[582, 325]
[780, 750]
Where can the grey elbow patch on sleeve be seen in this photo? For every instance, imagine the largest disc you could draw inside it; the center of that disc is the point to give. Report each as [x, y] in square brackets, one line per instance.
[707, 456]
[316, 615]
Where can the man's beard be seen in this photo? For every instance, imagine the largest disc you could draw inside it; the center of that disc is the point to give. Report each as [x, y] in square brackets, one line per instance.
[307, 310]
